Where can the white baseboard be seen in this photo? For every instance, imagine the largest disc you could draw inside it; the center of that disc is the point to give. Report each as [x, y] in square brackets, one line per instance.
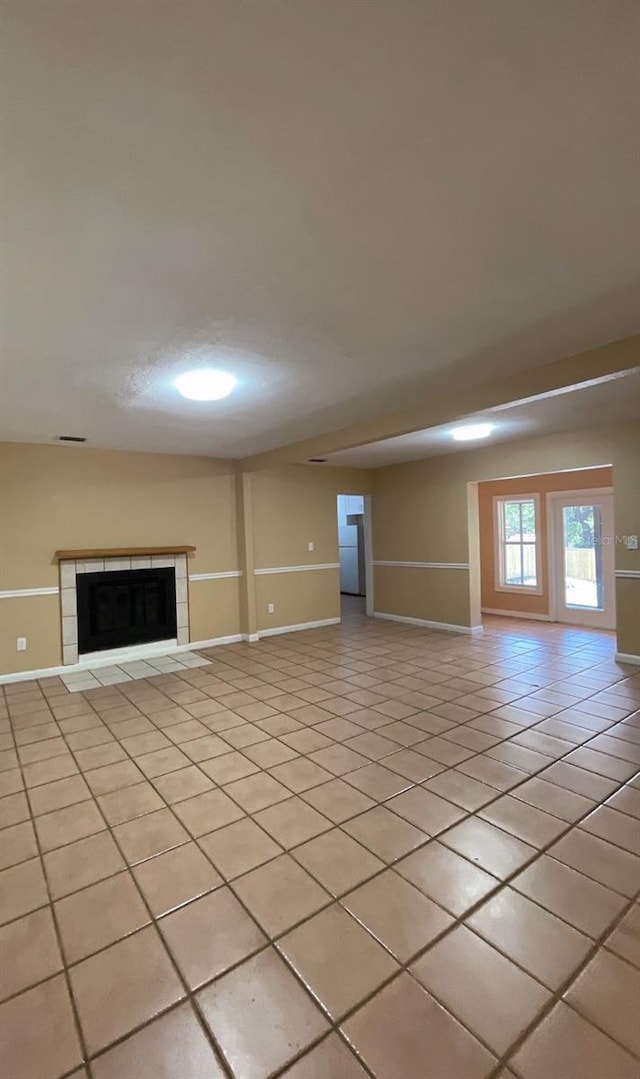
[518, 614]
[129, 655]
[169, 648]
[213, 642]
[296, 629]
[427, 624]
[627, 657]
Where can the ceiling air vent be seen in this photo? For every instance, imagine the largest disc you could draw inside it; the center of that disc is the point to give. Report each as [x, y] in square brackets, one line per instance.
[71, 438]
[317, 460]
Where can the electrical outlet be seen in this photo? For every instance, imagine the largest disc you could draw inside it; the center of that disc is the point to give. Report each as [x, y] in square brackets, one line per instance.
[310, 545]
[632, 543]
[270, 608]
[21, 644]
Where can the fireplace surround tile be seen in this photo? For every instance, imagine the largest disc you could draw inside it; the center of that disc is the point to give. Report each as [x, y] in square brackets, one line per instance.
[69, 653]
[91, 565]
[69, 569]
[68, 575]
[68, 602]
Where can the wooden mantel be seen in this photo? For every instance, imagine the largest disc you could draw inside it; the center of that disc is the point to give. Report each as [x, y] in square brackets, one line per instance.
[120, 552]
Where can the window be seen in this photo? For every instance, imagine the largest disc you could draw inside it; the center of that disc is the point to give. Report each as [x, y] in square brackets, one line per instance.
[517, 555]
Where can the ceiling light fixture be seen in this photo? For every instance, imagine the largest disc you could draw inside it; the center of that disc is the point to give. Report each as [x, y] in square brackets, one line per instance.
[473, 431]
[205, 384]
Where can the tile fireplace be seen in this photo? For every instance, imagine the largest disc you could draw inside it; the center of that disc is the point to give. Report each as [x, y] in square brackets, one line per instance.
[122, 602]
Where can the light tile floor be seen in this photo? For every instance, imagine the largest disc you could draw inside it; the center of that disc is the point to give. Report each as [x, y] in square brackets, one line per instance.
[368, 850]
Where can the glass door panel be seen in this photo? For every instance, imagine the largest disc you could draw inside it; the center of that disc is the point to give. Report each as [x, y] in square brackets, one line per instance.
[582, 555]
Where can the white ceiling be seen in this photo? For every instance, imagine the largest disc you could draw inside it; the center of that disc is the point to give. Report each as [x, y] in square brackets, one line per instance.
[347, 205]
[610, 402]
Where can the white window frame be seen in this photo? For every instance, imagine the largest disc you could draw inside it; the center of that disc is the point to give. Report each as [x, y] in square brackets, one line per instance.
[526, 589]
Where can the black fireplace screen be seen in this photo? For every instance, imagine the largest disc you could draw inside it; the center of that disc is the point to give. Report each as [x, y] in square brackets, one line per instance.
[125, 607]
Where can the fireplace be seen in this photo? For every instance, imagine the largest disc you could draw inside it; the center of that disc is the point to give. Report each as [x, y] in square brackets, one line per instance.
[122, 608]
[115, 601]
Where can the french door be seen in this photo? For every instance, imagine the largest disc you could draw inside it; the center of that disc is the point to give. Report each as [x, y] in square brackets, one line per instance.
[582, 546]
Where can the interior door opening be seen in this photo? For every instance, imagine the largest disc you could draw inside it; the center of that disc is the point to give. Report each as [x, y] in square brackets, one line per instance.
[354, 553]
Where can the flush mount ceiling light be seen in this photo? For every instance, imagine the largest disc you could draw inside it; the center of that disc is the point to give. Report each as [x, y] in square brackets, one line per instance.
[205, 384]
[473, 431]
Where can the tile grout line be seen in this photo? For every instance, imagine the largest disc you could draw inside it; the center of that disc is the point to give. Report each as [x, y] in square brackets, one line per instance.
[51, 908]
[190, 994]
[405, 967]
[558, 994]
[457, 922]
[332, 825]
[87, 1059]
[269, 945]
[569, 828]
[301, 793]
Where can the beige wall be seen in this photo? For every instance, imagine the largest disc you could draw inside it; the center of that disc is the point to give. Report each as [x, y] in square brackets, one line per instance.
[291, 507]
[60, 497]
[520, 602]
[420, 513]
[38, 619]
[296, 505]
[435, 595]
[298, 598]
[54, 497]
[214, 608]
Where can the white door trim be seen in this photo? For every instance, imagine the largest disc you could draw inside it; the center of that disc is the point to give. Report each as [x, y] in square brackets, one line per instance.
[368, 556]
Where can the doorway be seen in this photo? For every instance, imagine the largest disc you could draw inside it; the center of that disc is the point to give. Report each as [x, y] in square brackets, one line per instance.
[542, 547]
[582, 569]
[354, 554]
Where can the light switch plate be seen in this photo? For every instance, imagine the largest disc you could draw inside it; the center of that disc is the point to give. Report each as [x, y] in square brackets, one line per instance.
[631, 543]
